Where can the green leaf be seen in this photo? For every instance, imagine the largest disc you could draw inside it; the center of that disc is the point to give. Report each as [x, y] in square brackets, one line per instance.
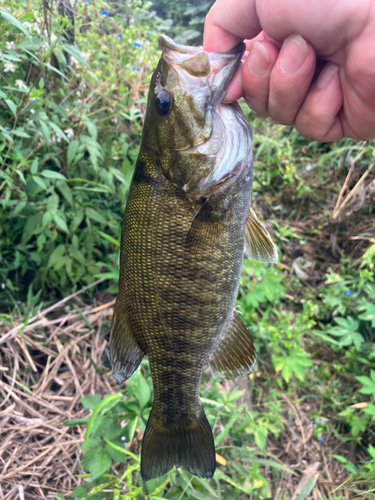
[34, 166]
[72, 150]
[51, 174]
[100, 463]
[38, 180]
[348, 331]
[65, 191]
[45, 131]
[122, 450]
[95, 216]
[260, 436]
[58, 131]
[12, 106]
[139, 388]
[307, 488]
[368, 384]
[78, 492]
[116, 455]
[12, 20]
[56, 256]
[369, 314]
[90, 402]
[109, 238]
[295, 364]
[77, 255]
[370, 410]
[60, 222]
[108, 399]
[78, 218]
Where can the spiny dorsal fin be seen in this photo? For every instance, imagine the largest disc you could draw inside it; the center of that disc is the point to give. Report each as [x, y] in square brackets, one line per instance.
[235, 355]
[258, 243]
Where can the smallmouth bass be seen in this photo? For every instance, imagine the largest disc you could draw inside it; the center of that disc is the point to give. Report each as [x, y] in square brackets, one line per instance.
[186, 226]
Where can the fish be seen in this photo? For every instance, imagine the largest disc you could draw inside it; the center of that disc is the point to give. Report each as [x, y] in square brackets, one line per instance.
[186, 227]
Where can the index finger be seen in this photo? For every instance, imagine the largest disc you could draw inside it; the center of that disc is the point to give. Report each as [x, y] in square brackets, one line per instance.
[228, 23]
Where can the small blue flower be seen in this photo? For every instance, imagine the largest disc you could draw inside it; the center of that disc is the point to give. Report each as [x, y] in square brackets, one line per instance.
[119, 36]
[265, 225]
[348, 292]
[285, 211]
[138, 45]
[320, 440]
[137, 70]
[256, 194]
[104, 13]
[8, 129]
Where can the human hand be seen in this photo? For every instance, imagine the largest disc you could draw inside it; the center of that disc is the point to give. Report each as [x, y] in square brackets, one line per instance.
[310, 64]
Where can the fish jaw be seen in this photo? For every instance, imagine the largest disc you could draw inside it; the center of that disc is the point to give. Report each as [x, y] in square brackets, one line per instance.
[197, 68]
[202, 141]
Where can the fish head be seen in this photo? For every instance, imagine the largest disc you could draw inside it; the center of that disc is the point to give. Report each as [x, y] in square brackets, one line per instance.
[186, 123]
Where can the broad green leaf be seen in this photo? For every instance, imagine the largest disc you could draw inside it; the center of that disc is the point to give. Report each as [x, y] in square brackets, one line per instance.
[45, 131]
[90, 402]
[51, 174]
[99, 463]
[34, 166]
[77, 254]
[260, 436]
[56, 255]
[38, 180]
[116, 455]
[65, 191]
[11, 106]
[370, 410]
[369, 314]
[95, 216]
[368, 384]
[72, 150]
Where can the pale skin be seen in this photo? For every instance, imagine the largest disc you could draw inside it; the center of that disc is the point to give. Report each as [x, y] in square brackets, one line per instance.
[308, 63]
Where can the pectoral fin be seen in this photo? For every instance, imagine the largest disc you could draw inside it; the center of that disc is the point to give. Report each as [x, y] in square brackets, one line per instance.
[235, 355]
[258, 243]
[126, 355]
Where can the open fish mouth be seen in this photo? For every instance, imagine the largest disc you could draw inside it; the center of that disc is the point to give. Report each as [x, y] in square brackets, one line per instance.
[197, 68]
[207, 75]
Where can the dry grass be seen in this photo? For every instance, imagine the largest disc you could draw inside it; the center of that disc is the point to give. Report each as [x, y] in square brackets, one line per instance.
[44, 373]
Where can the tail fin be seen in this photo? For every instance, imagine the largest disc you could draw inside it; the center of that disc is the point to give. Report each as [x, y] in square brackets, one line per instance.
[190, 446]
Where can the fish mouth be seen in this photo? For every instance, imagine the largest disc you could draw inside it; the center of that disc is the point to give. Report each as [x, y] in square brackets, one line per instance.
[226, 140]
[195, 66]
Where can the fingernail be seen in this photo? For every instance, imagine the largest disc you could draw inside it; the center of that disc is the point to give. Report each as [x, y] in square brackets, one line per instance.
[244, 56]
[258, 59]
[293, 53]
[326, 75]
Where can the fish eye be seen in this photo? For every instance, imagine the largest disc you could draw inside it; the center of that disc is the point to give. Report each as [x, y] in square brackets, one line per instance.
[163, 104]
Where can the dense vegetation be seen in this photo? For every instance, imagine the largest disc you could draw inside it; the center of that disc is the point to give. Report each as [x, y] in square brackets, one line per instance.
[73, 90]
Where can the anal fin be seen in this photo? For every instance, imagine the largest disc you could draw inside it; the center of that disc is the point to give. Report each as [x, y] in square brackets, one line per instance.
[126, 355]
[235, 355]
[258, 243]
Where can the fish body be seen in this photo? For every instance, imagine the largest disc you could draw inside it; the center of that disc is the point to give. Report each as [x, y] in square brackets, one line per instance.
[185, 228]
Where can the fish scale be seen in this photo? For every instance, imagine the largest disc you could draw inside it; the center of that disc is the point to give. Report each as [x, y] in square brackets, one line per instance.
[182, 248]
